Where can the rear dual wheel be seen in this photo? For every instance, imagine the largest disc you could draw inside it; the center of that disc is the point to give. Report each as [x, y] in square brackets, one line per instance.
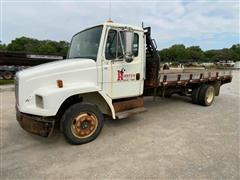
[203, 95]
[195, 95]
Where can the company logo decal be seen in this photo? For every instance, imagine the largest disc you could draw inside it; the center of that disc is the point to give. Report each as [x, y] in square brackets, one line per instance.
[122, 76]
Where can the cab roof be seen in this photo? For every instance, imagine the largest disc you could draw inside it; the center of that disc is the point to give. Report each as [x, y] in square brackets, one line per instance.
[112, 24]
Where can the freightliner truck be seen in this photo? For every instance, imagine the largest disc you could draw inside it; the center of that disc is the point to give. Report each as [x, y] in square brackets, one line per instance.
[108, 71]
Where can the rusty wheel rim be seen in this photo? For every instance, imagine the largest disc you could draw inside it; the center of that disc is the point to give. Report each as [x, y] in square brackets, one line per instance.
[7, 76]
[210, 94]
[84, 125]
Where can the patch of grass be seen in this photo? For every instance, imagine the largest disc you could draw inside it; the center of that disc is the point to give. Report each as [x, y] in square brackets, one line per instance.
[4, 82]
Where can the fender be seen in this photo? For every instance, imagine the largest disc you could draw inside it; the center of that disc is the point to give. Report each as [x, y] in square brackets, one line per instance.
[53, 98]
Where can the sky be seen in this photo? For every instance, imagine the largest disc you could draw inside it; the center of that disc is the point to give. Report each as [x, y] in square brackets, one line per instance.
[210, 24]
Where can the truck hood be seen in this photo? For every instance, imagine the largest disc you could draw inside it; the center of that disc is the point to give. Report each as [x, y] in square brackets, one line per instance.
[57, 67]
[71, 72]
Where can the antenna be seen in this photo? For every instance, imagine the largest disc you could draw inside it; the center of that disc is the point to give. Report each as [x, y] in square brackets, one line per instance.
[109, 12]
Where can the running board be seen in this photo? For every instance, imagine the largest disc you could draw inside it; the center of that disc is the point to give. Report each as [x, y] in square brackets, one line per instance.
[125, 114]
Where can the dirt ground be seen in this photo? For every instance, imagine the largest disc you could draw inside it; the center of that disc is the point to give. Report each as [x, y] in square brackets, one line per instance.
[174, 139]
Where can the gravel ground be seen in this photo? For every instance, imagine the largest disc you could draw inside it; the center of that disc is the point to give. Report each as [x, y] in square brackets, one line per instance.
[174, 139]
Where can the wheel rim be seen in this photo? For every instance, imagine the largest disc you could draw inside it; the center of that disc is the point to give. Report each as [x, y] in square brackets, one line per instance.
[210, 94]
[84, 125]
[7, 75]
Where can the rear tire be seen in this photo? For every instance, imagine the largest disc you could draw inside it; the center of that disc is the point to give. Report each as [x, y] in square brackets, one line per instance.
[167, 95]
[206, 95]
[82, 123]
[195, 95]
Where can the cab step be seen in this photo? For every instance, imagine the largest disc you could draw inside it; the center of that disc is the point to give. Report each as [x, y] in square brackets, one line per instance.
[125, 114]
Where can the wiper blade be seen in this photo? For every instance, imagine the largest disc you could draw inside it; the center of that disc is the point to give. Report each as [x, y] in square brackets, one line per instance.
[75, 57]
[88, 57]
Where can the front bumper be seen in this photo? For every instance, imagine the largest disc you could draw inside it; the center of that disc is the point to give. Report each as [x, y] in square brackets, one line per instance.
[41, 126]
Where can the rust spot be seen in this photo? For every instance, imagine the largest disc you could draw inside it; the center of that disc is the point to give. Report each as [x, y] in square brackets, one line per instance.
[32, 125]
[128, 104]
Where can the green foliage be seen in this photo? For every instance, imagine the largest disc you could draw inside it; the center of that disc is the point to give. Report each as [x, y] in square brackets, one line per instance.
[4, 82]
[176, 53]
[3, 47]
[179, 53]
[196, 54]
[30, 45]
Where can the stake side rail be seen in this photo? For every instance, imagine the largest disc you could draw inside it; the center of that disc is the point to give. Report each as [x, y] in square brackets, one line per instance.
[184, 78]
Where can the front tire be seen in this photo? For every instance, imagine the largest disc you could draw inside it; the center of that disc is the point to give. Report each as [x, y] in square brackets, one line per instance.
[82, 123]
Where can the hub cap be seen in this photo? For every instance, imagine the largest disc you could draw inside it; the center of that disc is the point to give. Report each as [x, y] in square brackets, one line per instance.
[84, 125]
[210, 94]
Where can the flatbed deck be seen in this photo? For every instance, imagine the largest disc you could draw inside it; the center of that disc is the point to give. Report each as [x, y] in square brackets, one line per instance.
[183, 77]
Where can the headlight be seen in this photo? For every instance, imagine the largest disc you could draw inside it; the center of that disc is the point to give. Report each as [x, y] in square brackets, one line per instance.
[39, 101]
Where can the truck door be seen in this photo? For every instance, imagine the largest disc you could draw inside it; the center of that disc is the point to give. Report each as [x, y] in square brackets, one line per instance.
[120, 78]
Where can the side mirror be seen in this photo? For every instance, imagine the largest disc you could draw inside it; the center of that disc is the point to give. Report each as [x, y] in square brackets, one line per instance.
[129, 46]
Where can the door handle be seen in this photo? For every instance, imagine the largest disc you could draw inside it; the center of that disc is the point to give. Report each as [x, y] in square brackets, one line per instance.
[137, 76]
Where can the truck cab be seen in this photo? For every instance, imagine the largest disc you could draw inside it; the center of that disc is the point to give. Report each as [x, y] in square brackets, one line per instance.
[108, 69]
[104, 63]
[106, 46]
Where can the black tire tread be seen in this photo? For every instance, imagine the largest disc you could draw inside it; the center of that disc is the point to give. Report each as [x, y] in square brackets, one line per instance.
[195, 95]
[67, 117]
[202, 94]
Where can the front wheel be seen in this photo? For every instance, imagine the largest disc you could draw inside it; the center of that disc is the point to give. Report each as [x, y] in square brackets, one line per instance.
[82, 123]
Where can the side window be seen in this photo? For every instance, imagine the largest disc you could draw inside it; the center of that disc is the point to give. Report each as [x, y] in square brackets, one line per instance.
[111, 50]
[121, 45]
[135, 44]
[116, 45]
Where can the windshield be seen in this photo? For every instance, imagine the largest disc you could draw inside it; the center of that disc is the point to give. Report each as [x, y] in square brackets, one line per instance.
[85, 44]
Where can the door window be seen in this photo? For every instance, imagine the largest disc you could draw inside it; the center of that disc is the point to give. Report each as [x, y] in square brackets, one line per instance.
[116, 44]
[110, 52]
[135, 45]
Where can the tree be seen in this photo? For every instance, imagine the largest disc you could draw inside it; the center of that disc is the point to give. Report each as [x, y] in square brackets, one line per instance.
[3, 47]
[236, 50]
[178, 52]
[30, 45]
[196, 54]
[46, 48]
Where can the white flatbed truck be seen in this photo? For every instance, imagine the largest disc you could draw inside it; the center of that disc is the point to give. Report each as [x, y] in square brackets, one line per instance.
[108, 71]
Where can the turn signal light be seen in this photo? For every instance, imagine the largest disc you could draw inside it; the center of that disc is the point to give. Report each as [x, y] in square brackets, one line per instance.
[60, 83]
